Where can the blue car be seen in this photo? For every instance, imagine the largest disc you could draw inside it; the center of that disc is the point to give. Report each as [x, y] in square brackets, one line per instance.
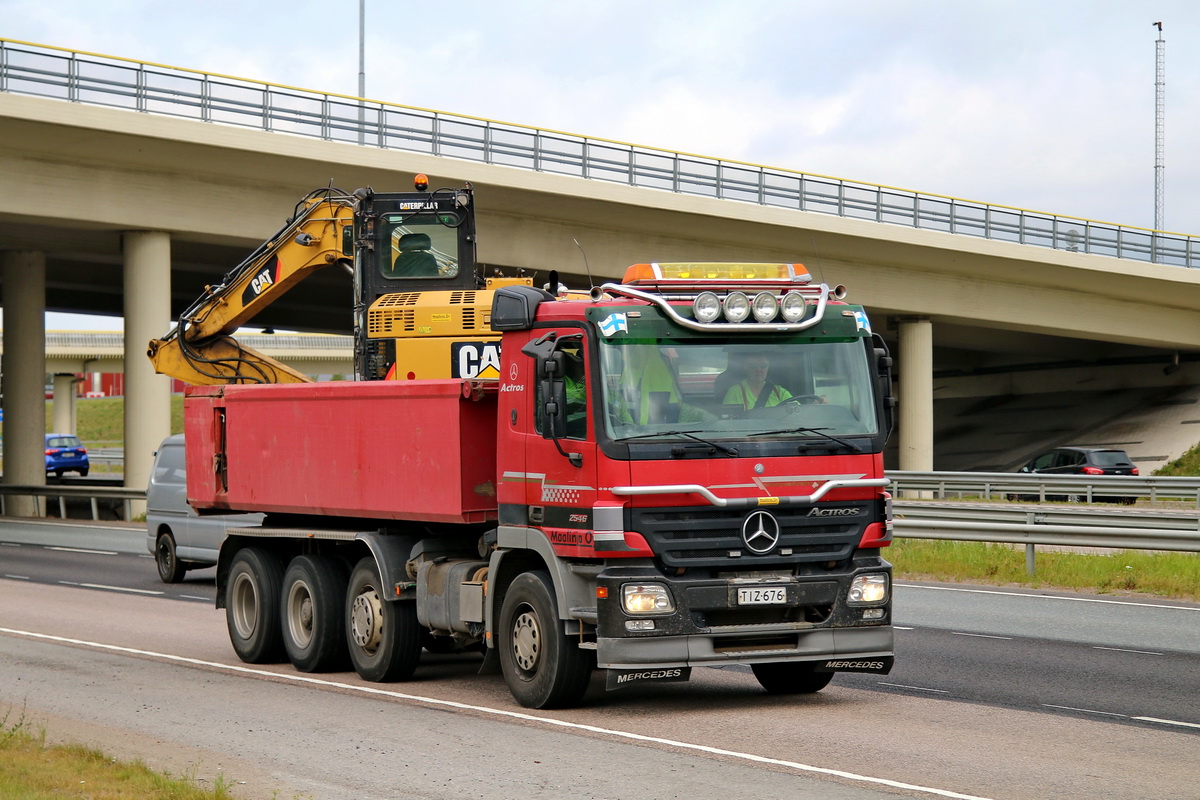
[65, 453]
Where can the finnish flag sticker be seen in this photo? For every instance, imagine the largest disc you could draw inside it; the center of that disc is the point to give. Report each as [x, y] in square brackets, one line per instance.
[613, 323]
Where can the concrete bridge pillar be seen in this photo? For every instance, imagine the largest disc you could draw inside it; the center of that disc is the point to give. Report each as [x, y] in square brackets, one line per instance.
[914, 363]
[147, 316]
[64, 403]
[23, 273]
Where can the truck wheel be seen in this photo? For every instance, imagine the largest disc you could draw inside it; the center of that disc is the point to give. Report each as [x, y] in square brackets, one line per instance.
[314, 633]
[791, 677]
[384, 637]
[167, 559]
[252, 600]
[542, 666]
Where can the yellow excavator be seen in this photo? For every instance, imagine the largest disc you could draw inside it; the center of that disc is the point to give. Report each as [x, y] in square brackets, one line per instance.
[420, 300]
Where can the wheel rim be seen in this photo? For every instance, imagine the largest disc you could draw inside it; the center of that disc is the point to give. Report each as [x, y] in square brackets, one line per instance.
[166, 559]
[300, 613]
[366, 620]
[526, 640]
[244, 605]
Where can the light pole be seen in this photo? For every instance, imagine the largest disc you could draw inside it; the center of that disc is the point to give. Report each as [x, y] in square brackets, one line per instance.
[362, 70]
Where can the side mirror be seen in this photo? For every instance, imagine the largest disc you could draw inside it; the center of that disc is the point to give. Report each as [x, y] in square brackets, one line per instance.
[552, 411]
[883, 380]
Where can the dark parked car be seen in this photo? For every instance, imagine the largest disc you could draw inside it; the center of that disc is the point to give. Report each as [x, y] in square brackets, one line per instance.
[1082, 461]
[65, 453]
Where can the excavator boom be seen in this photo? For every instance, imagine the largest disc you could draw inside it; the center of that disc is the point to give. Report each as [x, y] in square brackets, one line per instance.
[200, 351]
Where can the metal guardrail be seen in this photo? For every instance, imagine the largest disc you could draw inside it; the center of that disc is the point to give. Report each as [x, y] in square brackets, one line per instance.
[1062, 526]
[1042, 487]
[63, 493]
[80, 77]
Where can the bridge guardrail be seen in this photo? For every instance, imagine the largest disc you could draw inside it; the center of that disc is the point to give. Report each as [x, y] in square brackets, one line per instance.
[998, 485]
[80, 77]
[93, 493]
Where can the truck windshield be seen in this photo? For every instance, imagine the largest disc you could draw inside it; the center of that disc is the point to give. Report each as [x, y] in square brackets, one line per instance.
[421, 247]
[734, 389]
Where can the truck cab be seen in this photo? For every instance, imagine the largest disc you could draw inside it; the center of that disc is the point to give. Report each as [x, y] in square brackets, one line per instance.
[714, 523]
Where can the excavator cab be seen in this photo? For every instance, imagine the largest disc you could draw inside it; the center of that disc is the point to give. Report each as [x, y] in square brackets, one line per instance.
[422, 305]
[416, 241]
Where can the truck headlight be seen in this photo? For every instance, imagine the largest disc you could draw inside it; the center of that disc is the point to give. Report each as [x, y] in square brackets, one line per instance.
[868, 589]
[764, 307]
[647, 598]
[706, 307]
[792, 307]
[737, 307]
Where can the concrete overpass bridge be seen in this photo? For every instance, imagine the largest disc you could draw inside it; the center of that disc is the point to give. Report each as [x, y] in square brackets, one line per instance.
[126, 187]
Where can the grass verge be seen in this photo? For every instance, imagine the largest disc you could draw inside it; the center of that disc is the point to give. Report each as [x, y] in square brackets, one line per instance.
[34, 770]
[1174, 575]
[1187, 465]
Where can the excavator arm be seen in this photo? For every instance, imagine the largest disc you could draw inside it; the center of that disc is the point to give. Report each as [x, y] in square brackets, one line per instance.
[200, 350]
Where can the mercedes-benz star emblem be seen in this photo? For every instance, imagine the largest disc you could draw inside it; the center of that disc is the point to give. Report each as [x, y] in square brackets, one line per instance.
[760, 532]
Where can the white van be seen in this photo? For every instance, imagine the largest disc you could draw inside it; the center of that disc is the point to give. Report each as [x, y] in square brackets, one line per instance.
[180, 539]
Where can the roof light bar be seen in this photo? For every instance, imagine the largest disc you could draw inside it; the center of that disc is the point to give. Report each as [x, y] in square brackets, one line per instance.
[715, 271]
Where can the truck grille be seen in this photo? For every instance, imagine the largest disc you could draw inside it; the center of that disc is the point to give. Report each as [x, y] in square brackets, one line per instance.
[712, 537]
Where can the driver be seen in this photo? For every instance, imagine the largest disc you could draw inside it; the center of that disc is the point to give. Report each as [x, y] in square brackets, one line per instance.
[754, 390]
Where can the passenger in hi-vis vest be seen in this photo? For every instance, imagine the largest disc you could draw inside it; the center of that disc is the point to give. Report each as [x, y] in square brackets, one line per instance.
[648, 392]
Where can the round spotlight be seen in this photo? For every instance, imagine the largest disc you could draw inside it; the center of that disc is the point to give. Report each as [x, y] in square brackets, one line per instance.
[765, 307]
[793, 307]
[706, 307]
[737, 306]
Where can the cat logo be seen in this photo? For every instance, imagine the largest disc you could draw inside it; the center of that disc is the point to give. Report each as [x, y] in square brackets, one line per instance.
[475, 360]
[265, 279]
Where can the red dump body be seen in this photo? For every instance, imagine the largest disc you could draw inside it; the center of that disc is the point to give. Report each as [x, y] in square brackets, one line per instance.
[411, 450]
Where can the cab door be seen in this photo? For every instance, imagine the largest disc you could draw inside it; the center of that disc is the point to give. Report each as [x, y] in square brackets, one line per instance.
[561, 473]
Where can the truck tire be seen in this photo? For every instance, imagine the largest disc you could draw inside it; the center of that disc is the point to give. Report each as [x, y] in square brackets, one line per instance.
[791, 677]
[166, 558]
[312, 624]
[252, 600]
[542, 666]
[384, 636]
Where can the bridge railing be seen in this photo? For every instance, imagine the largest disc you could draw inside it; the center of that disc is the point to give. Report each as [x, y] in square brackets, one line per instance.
[80, 77]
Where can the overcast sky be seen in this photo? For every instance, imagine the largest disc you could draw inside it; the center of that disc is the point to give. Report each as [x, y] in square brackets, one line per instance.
[1044, 105]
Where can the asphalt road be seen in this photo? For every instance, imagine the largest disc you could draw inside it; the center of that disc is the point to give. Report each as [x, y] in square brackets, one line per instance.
[996, 694]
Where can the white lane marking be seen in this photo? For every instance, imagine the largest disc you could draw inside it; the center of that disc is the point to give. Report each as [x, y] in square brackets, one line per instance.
[1125, 716]
[981, 635]
[82, 550]
[9, 544]
[1047, 597]
[116, 588]
[1085, 710]
[195, 597]
[1167, 722]
[901, 628]
[18, 577]
[432, 701]
[1123, 650]
[917, 688]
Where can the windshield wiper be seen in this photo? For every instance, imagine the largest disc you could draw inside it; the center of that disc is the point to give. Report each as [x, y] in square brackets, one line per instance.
[817, 431]
[729, 451]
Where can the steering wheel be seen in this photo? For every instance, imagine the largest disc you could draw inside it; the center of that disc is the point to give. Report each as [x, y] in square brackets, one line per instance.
[804, 400]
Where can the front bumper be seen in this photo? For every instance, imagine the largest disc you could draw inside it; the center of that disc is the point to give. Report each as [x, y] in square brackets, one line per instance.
[710, 628]
[853, 649]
